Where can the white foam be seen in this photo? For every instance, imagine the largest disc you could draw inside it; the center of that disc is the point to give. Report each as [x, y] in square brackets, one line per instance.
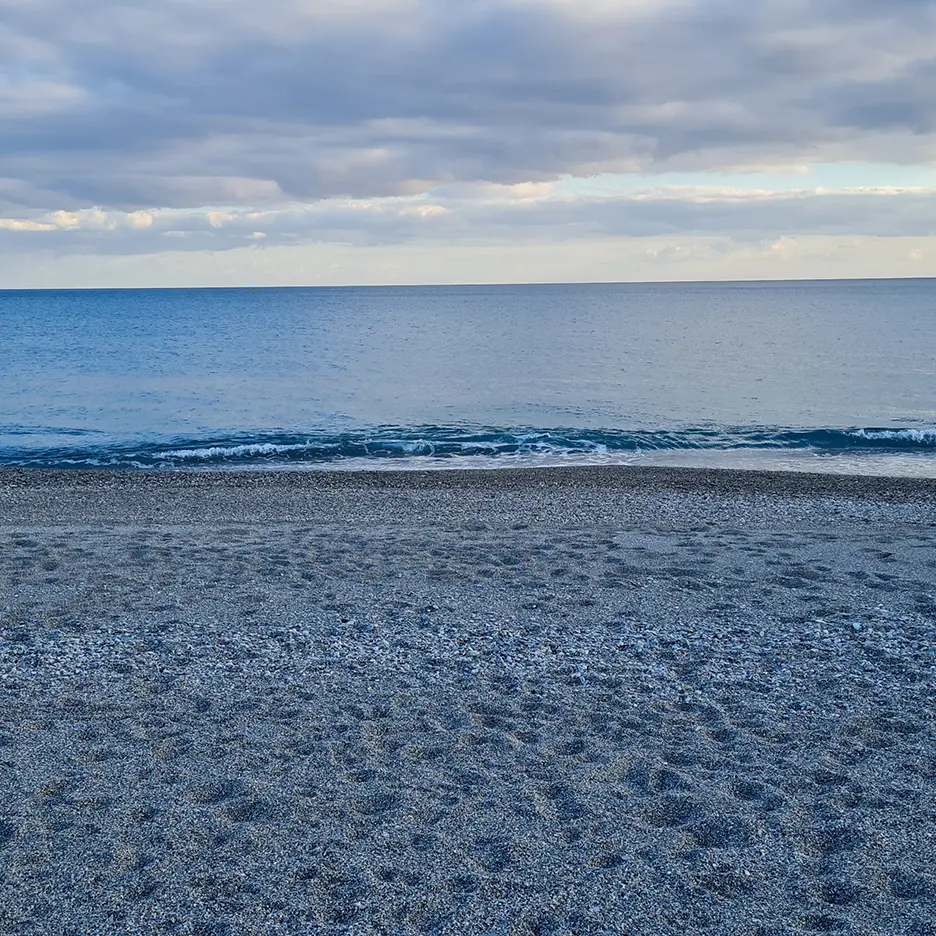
[924, 435]
[235, 451]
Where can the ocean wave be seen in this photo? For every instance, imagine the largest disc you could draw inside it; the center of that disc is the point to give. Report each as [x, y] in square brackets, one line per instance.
[925, 436]
[246, 450]
[444, 445]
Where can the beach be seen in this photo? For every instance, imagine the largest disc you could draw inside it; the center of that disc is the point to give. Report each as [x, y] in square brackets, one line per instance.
[546, 702]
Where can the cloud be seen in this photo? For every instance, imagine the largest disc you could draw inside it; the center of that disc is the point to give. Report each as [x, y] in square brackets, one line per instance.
[193, 104]
[17, 224]
[683, 257]
[487, 214]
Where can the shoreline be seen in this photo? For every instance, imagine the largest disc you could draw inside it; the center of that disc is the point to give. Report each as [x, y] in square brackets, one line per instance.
[613, 477]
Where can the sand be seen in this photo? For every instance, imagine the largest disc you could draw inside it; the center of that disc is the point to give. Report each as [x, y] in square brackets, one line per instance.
[540, 702]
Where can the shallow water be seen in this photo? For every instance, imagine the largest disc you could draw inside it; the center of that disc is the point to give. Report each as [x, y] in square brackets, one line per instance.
[804, 375]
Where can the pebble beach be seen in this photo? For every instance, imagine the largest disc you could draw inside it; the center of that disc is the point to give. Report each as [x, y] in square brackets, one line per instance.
[545, 702]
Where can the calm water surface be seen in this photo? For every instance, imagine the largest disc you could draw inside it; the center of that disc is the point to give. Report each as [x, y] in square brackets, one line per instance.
[821, 375]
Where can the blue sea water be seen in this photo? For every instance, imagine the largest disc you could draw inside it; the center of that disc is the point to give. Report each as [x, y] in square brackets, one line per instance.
[807, 375]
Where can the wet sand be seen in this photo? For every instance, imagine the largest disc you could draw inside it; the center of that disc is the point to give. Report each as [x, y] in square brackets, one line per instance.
[570, 701]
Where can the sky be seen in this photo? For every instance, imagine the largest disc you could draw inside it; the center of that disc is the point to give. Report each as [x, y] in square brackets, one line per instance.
[306, 142]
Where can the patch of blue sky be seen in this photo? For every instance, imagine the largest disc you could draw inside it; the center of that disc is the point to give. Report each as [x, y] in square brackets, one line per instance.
[828, 176]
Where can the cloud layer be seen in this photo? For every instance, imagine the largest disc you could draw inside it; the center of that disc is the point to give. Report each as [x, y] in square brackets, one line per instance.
[479, 214]
[152, 125]
[186, 103]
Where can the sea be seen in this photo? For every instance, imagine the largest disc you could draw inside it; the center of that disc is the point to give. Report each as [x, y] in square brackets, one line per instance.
[833, 376]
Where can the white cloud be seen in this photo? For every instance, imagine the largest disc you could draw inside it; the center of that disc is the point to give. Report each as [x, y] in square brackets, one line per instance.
[534, 213]
[16, 224]
[424, 211]
[218, 219]
[140, 220]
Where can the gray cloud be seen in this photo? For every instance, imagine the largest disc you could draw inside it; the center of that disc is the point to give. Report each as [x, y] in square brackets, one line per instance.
[165, 103]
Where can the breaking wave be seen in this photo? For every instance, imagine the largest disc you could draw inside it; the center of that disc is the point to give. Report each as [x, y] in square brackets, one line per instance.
[433, 446]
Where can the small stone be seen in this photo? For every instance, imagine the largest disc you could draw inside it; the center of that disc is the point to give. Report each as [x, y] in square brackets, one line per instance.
[856, 626]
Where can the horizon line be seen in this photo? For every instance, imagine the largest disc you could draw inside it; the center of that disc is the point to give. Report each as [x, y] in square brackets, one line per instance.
[460, 285]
